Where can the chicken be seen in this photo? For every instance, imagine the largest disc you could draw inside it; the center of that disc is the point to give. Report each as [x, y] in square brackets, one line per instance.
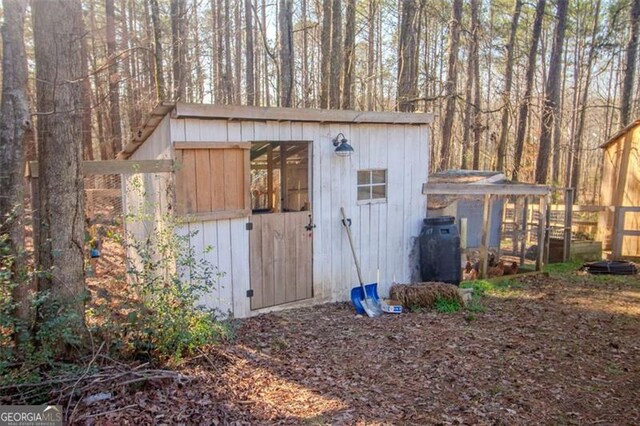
[469, 272]
[501, 269]
[496, 271]
[511, 269]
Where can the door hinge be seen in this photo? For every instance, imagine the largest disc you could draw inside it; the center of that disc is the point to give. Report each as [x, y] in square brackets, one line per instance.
[249, 226]
[250, 293]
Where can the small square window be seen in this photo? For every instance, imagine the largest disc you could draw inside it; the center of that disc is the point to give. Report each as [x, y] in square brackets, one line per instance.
[364, 177]
[372, 185]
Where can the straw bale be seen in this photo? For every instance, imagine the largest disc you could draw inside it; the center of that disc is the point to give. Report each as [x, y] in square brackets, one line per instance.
[425, 294]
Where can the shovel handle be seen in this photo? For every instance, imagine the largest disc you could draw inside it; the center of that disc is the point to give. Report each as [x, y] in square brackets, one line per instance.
[353, 249]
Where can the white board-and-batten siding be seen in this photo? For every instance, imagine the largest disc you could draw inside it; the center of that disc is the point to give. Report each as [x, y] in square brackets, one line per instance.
[384, 232]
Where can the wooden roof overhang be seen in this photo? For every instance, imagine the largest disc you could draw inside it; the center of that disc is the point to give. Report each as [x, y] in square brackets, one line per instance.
[620, 133]
[488, 191]
[485, 189]
[251, 113]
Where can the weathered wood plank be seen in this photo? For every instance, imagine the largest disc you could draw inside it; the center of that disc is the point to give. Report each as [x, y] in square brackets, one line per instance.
[235, 112]
[188, 176]
[216, 163]
[542, 225]
[477, 189]
[219, 215]
[268, 263]
[115, 167]
[231, 188]
[211, 145]
[292, 261]
[203, 187]
[304, 255]
[279, 275]
[256, 266]
[484, 245]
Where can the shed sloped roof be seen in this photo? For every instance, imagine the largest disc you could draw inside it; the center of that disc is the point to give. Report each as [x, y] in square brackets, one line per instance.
[458, 176]
[621, 133]
[445, 187]
[241, 112]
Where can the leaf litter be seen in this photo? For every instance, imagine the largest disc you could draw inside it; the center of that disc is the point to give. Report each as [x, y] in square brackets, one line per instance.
[556, 350]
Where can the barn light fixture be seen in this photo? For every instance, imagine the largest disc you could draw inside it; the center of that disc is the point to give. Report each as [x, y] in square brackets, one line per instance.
[343, 149]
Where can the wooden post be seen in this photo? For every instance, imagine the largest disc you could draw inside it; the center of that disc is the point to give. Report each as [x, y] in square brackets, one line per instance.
[484, 246]
[542, 216]
[284, 203]
[547, 228]
[618, 232]
[270, 178]
[568, 218]
[501, 227]
[515, 234]
[34, 195]
[463, 238]
[525, 230]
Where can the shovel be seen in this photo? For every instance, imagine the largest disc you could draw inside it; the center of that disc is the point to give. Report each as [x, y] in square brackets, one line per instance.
[363, 298]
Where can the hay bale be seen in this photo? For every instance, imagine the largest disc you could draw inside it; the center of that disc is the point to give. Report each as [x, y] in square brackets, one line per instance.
[424, 295]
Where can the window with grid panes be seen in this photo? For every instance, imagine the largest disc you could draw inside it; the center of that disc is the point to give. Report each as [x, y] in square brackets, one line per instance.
[372, 185]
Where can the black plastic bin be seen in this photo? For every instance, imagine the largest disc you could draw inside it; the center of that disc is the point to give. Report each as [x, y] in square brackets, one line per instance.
[440, 250]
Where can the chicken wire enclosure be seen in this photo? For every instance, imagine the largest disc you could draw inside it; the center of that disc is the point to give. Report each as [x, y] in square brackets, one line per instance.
[104, 213]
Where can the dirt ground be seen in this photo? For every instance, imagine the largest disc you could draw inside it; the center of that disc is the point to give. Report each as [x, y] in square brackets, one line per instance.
[550, 350]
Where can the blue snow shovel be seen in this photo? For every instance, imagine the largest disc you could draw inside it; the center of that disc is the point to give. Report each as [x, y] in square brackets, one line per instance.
[364, 298]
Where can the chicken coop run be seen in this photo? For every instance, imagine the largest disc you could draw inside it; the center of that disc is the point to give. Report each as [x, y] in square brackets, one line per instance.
[263, 187]
[619, 223]
[477, 200]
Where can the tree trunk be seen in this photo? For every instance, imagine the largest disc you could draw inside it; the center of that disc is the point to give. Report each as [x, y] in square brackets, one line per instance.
[286, 53]
[630, 64]
[161, 91]
[15, 121]
[408, 56]
[551, 107]
[451, 84]
[114, 80]
[349, 55]
[577, 143]
[306, 92]
[371, 62]
[508, 81]
[523, 113]
[477, 116]
[249, 54]
[178, 48]
[58, 32]
[237, 87]
[198, 68]
[325, 43]
[336, 55]
[467, 153]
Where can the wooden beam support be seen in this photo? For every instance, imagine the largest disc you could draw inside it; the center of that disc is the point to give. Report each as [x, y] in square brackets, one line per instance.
[568, 219]
[484, 245]
[525, 225]
[236, 112]
[212, 145]
[115, 167]
[542, 225]
[480, 189]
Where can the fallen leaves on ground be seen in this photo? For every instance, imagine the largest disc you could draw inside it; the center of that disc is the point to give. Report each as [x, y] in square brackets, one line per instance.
[558, 350]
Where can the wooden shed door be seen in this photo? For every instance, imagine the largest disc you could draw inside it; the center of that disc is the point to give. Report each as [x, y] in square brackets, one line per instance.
[281, 237]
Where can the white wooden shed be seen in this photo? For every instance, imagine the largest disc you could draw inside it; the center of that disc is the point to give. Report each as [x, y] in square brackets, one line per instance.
[254, 181]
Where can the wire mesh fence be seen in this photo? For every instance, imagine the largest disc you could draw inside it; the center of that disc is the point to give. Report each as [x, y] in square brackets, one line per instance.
[105, 229]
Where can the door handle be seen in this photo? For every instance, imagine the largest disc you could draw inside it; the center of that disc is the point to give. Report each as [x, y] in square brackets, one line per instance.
[309, 227]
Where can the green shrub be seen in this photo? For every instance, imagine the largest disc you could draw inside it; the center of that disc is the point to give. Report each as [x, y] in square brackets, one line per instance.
[446, 305]
[168, 280]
